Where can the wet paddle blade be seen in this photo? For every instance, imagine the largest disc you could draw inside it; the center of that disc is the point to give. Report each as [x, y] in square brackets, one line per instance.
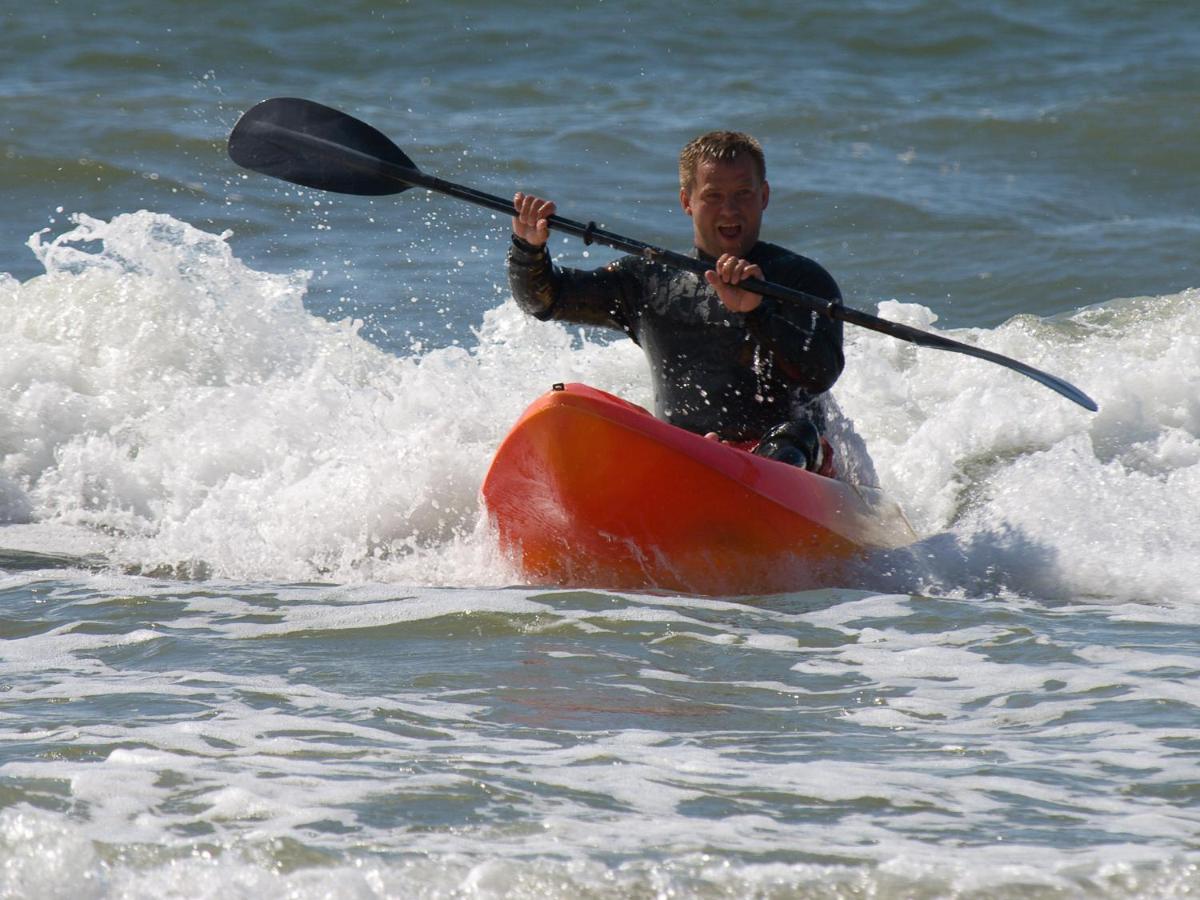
[319, 147]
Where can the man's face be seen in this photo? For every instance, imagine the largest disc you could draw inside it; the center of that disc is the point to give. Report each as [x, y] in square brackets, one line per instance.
[726, 204]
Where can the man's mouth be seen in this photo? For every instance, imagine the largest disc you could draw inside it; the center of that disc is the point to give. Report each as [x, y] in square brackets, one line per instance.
[729, 232]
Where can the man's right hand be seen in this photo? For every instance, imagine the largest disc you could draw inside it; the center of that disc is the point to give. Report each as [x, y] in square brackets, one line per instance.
[531, 221]
[724, 276]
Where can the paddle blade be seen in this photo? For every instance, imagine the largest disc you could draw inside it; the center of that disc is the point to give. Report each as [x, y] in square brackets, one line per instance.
[317, 146]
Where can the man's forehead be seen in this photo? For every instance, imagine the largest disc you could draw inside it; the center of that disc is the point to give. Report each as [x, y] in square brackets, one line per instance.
[739, 170]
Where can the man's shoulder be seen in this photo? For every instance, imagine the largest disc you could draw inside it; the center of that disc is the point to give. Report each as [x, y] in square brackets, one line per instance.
[646, 274]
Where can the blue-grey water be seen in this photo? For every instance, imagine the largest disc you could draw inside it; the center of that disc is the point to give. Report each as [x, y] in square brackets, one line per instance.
[254, 637]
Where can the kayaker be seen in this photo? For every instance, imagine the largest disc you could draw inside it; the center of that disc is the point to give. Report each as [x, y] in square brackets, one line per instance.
[726, 362]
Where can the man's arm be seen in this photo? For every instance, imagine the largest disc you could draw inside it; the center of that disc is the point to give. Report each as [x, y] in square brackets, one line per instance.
[806, 346]
[605, 297]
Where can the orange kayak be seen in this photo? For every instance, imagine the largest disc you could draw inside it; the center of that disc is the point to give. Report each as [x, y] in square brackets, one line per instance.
[588, 490]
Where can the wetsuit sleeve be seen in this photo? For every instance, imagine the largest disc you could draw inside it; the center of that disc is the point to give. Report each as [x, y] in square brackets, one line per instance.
[806, 346]
[607, 297]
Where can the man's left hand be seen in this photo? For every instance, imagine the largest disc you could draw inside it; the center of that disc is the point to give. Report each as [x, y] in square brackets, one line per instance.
[725, 274]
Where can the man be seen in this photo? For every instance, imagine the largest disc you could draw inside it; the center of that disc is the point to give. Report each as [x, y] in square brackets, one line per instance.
[726, 362]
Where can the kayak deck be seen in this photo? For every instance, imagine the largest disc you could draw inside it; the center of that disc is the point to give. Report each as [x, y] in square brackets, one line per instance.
[589, 490]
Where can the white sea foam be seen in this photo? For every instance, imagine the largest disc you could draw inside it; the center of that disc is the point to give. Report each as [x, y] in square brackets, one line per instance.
[46, 858]
[1016, 488]
[156, 388]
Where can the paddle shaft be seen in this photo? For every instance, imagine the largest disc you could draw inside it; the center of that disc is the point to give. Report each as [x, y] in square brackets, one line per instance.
[592, 234]
[337, 152]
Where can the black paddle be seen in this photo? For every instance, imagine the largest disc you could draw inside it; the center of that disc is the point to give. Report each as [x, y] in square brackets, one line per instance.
[317, 146]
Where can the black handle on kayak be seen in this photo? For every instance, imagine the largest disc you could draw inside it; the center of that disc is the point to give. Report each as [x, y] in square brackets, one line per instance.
[317, 146]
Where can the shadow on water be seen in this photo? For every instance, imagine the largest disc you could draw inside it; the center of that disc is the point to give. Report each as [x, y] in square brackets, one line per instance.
[988, 563]
[28, 561]
[985, 563]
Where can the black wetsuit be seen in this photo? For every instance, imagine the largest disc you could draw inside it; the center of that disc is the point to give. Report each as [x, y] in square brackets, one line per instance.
[737, 374]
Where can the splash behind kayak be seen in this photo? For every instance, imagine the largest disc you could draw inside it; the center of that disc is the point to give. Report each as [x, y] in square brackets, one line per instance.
[588, 490]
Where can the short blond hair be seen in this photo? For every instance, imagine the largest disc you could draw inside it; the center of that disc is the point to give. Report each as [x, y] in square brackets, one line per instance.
[719, 146]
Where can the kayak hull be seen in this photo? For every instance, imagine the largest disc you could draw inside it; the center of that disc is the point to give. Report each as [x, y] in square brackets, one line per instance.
[588, 490]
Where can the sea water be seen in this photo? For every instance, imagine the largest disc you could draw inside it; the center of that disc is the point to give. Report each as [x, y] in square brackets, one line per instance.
[254, 637]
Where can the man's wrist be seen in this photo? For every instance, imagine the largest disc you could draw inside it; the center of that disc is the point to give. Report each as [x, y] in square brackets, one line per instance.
[521, 244]
[761, 311]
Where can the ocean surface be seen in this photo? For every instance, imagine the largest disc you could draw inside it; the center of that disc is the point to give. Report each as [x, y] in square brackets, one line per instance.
[255, 640]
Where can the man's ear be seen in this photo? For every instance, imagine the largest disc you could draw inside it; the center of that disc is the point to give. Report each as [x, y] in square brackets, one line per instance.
[685, 200]
[766, 193]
